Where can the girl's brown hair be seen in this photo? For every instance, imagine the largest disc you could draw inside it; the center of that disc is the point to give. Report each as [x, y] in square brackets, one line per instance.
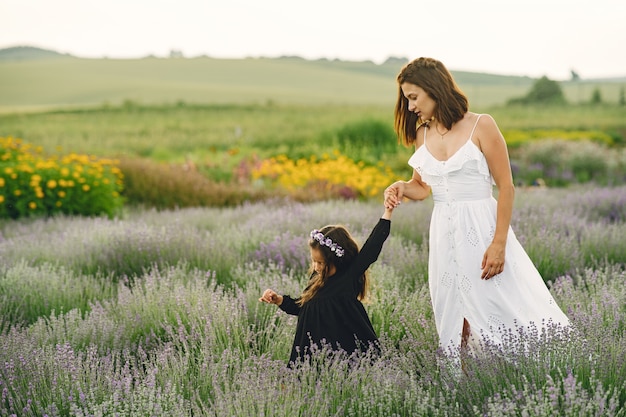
[432, 76]
[340, 236]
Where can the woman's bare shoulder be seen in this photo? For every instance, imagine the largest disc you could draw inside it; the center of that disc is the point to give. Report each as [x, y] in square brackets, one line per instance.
[485, 120]
[488, 134]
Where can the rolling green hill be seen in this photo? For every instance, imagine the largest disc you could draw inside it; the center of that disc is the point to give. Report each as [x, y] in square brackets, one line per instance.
[28, 53]
[33, 79]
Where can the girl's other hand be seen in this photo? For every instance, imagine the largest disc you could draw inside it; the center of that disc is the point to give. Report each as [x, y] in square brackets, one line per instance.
[269, 296]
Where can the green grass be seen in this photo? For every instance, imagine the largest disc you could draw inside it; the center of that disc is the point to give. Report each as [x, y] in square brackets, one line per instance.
[29, 85]
[78, 82]
[181, 130]
[176, 132]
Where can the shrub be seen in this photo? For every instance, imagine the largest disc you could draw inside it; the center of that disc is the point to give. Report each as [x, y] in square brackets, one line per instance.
[561, 162]
[367, 139]
[164, 186]
[32, 184]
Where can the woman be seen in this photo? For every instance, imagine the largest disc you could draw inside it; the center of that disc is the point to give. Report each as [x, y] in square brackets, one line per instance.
[482, 282]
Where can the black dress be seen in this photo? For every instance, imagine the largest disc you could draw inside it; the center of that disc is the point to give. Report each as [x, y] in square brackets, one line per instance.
[334, 315]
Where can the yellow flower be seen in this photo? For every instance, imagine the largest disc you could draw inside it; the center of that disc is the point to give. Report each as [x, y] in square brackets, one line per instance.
[32, 205]
[17, 193]
[52, 184]
[61, 194]
[1, 182]
[85, 187]
[1, 199]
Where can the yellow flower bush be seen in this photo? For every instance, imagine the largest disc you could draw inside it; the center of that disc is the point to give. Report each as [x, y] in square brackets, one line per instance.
[34, 184]
[336, 170]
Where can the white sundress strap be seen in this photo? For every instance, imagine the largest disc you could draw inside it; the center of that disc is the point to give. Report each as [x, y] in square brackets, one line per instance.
[475, 124]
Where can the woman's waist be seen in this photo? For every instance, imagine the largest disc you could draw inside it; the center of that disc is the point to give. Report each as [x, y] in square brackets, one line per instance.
[458, 194]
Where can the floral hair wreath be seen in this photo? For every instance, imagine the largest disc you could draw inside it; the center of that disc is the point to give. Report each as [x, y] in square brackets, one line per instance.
[326, 241]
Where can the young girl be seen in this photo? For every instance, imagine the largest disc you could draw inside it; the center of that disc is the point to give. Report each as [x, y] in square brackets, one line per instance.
[330, 310]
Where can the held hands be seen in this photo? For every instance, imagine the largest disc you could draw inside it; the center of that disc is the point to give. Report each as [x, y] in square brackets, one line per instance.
[270, 297]
[394, 194]
[493, 261]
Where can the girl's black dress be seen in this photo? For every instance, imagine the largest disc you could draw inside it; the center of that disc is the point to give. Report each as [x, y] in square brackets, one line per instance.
[334, 315]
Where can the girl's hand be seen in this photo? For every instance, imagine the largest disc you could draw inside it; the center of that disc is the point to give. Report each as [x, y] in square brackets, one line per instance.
[270, 297]
[493, 261]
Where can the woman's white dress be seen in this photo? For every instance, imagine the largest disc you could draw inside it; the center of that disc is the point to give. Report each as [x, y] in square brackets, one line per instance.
[462, 227]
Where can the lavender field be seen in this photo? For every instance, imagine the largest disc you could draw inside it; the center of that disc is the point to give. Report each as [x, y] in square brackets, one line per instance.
[156, 313]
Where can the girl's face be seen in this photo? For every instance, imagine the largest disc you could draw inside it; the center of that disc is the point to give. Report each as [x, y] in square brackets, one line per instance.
[320, 265]
[420, 102]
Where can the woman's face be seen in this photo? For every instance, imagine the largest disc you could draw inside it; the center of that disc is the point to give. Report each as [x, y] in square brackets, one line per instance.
[420, 102]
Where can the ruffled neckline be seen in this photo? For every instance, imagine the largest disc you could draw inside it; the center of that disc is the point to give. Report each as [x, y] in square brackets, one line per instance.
[430, 167]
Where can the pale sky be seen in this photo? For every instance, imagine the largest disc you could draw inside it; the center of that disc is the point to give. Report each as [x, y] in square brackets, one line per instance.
[509, 37]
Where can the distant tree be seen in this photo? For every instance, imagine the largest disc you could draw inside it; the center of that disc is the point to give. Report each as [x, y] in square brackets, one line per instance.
[176, 53]
[575, 76]
[394, 60]
[622, 97]
[543, 91]
[596, 96]
[546, 90]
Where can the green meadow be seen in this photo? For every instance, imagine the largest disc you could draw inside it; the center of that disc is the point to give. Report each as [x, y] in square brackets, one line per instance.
[37, 84]
[154, 311]
[181, 109]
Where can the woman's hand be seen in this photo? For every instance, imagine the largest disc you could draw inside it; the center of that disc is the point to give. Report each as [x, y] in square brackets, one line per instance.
[270, 297]
[493, 261]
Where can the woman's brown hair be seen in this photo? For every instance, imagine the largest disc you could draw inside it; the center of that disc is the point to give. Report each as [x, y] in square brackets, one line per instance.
[432, 76]
[340, 236]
